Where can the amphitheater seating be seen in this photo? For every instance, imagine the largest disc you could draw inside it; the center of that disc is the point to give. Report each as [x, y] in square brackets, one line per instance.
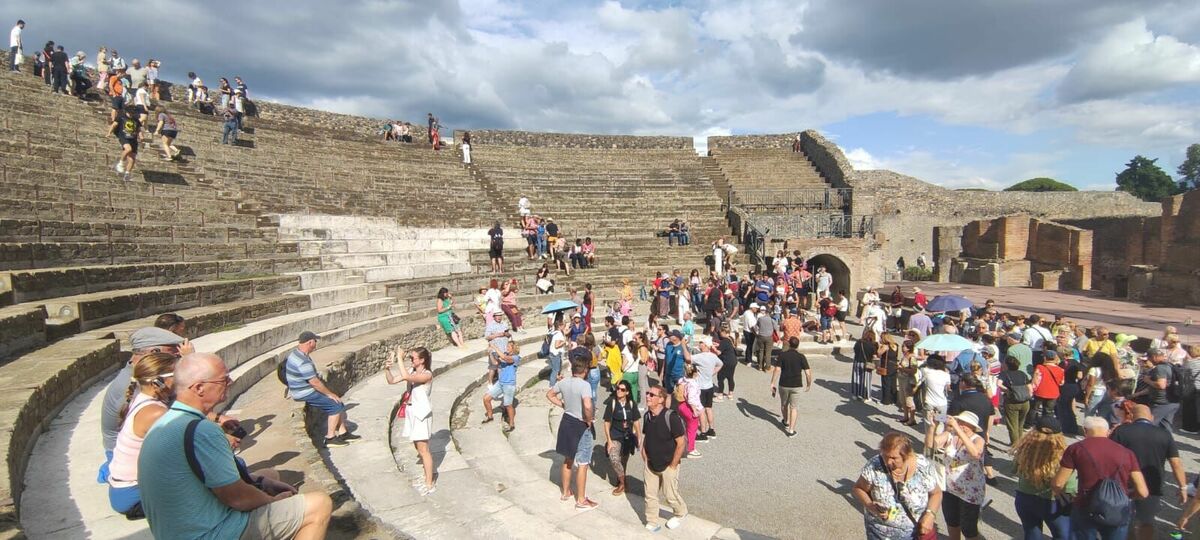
[778, 168]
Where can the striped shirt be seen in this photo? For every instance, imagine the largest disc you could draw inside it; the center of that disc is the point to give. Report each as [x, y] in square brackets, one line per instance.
[300, 369]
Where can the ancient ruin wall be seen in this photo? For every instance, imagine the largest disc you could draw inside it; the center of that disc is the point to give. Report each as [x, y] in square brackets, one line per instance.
[577, 140]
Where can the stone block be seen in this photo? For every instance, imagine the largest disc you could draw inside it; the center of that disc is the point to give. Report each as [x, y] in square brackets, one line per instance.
[21, 328]
[1047, 280]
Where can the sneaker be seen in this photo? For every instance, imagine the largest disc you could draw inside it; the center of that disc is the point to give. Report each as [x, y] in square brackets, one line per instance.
[712, 433]
[335, 442]
[694, 454]
[701, 437]
[718, 398]
[425, 491]
[121, 167]
[350, 437]
[790, 434]
[675, 522]
[653, 527]
[586, 505]
[128, 176]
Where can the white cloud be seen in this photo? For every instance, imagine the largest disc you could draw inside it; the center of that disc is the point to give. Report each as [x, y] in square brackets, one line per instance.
[862, 160]
[1131, 59]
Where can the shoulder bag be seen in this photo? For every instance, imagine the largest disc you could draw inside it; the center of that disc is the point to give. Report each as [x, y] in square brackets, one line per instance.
[896, 487]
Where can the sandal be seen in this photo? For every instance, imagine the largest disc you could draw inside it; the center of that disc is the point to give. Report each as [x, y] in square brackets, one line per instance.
[569, 495]
[488, 419]
[619, 490]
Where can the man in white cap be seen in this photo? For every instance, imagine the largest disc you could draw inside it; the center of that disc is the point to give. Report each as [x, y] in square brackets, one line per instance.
[749, 321]
[143, 342]
[707, 365]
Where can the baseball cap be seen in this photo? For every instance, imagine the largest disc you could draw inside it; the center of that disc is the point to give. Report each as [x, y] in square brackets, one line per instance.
[151, 336]
[677, 333]
[1049, 424]
[754, 305]
[307, 336]
[1014, 335]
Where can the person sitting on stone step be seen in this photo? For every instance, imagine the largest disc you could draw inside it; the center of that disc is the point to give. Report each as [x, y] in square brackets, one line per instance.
[305, 385]
[588, 250]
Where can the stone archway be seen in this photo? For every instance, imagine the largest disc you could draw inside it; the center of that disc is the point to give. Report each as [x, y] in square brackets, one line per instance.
[837, 268]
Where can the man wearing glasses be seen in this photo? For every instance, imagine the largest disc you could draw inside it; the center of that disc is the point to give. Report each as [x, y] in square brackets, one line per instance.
[189, 480]
[143, 342]
[662, 448]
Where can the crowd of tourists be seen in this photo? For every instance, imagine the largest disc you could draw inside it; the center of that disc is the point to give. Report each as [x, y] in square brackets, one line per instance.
[1038, 377]
[135, 95]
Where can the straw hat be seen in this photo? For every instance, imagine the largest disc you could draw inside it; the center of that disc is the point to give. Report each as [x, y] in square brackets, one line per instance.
[968, 418]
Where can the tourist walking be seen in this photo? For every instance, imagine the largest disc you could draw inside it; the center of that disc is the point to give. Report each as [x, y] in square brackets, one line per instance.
[416, 407]
[887, 368]
[792, 373]
[707, 364]
[866, 354]
[622, 430]
[662, 449]
[1035, 460]
[557, 347]
[1154, 389]
[906, 382]
[676, 354]
[764, 339]
[962, 448]
[466, 148]
[899, 493]
[1153, 446]
[575, 432]
[728, 354]
[127, 129]
[687, 401]
[935, 383]
[645, 355]
[505, 387]
[168, 129]
[1095, 459]
[229, 127]
[1047, 385]
[1017, 393]
[496, 248]
[447, 320]
[15, 46]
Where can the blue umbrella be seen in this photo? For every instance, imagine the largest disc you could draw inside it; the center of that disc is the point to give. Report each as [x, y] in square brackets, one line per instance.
[944, 342]
[559, 305]
[948, 302]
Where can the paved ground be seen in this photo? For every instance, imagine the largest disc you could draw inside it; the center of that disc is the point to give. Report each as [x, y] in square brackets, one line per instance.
[755, 480]
[1088, 307]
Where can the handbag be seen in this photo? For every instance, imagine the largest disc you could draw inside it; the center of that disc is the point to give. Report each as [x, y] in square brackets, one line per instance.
[454, 318]
[402, 410]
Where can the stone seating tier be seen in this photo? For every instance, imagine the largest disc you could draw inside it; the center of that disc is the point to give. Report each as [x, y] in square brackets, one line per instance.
[27, 255]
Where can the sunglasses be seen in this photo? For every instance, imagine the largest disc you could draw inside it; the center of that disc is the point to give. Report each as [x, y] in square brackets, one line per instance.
[622, 389]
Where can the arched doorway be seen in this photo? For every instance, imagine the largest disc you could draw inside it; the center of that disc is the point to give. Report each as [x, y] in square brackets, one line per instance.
[837, 268]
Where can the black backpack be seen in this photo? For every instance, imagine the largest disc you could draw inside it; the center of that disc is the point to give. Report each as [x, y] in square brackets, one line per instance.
[1182, 385]
[1015, 393]
[1108, 504]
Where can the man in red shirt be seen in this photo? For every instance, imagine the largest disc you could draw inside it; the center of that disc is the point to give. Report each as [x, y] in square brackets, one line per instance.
[1095, 458]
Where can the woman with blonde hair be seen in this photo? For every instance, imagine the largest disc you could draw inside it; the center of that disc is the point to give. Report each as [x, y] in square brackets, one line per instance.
[415, 405]
[150, 390]
[1036, 460]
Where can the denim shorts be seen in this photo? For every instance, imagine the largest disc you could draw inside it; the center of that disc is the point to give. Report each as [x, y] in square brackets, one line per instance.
[583, 454]
[322, 402]
[505, 391]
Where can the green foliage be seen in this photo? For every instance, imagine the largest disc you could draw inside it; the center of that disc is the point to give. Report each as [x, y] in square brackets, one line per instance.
[1145, 180]
[916, 273]
[1040, 184]
[1189, 170]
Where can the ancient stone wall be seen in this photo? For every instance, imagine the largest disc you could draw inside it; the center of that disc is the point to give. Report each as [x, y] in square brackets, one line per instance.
[1018, 250]
[577, 140]
[1117, 244]
[777, 140]
[906, 209]
[828, 159]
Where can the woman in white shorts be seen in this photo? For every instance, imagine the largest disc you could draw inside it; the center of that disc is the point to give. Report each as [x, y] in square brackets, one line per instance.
[415, 405]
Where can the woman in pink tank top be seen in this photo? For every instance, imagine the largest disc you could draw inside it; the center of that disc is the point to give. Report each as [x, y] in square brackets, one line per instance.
[150, 389]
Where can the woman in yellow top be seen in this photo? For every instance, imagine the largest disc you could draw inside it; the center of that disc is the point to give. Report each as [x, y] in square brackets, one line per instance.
[612, 359]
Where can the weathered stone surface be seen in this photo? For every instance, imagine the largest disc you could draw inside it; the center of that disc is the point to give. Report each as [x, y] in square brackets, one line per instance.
[21, 328]
[575, 140]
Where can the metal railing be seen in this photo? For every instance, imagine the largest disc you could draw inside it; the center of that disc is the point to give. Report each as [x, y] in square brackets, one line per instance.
[816, 198]
[755, 242]
[799, 225]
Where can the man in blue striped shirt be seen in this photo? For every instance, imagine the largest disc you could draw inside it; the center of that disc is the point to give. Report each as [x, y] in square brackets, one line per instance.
[304, 385]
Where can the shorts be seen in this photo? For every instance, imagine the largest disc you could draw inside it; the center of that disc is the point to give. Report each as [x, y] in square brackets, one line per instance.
[961, 514]
[935, 414]
[841, 316]
[123, 499]
[826, 322]
[280, 519]
[1145, 510]
[706, 397]
[789, 397]
[117, 103]
[495, 253]
[169, 133]
[132, 143]
[505, 391]
[583, 454]
[324, 403]
[139, 109]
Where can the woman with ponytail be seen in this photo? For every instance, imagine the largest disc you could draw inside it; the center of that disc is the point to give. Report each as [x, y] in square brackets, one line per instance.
[150, 390]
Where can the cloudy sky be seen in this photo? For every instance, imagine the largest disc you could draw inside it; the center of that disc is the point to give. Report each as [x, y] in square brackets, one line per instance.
[960, 93]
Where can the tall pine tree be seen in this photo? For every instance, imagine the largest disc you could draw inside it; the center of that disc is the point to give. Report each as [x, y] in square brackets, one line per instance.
[1145, 180]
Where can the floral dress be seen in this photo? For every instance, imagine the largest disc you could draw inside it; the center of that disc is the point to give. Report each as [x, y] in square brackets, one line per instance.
[965, 478]
[914, 492]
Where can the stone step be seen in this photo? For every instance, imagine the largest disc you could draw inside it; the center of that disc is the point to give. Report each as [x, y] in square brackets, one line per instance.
[382, 274]
[318, 279]
[335, 295]
[389, 258]
[22, 328]
[204, 320]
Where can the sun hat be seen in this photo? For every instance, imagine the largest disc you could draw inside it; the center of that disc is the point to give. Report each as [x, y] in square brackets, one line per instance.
[1123, 339]
[968, 418]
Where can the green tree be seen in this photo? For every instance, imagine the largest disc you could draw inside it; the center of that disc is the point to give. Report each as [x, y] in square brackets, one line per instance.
[1040, 184]
[1145, 180]
[1189, 170]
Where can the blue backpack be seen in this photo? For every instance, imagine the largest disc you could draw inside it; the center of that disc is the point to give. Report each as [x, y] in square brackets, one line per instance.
[1108, 504]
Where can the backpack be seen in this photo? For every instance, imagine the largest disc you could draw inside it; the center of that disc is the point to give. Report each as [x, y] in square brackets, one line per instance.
[830, 309]
[1182, 385]
[1108, 504]
[546, 345]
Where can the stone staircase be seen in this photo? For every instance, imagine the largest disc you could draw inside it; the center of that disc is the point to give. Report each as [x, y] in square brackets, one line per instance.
[778, 168]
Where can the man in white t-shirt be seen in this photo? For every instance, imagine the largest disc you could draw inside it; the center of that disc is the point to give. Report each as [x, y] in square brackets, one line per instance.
[14, 45]
[749, 320]
[707, 365]
[1036, 335]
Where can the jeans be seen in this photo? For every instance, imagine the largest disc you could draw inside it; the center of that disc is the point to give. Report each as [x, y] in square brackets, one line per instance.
[672, 237]
[1082, 528]
[685, 238]
[230, 127]
[12, 59]
[541, 245]
[593, 378]
[555, 367]
[1034, 511]
[1164, 415]
[60, 81]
